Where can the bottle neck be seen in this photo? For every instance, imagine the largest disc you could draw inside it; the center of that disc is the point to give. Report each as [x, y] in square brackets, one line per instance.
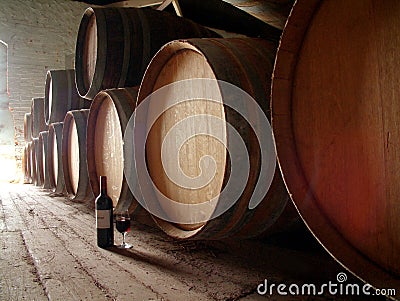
[103, 185]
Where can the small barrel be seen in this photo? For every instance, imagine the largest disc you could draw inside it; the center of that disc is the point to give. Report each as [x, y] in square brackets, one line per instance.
[61, 95]
[109, 115]
[244, 62]
[29, 162]
[27, 127]
[115, 45]
[34, 165]
[54, 154]
[25, 164]
[335, 107]
[37, 116]
[43, 145]
[39, 162]
[74, 156]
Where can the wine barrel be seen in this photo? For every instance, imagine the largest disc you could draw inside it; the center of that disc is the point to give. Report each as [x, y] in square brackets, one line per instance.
[27, 127]
[25, 164]
[335, 119]
[114, 45]
[74, 156]
[246, 63]
[54, 157]
[108, 117]
[39, 162]
[29, 162]
[61, 95]
[37, 116]
[43, 139]
[34, 162]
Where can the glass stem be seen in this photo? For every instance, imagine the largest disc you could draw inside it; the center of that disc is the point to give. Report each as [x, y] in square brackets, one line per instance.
[123, 238]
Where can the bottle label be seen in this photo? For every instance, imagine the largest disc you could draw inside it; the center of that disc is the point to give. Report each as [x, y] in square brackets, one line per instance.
[103, 219]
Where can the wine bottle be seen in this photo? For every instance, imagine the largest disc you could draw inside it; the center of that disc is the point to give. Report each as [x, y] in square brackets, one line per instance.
[104, 216]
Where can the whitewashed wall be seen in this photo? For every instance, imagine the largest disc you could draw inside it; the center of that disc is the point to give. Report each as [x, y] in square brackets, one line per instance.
[40, 35]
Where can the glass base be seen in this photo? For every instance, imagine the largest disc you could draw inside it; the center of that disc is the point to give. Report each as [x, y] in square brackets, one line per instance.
[124, 246]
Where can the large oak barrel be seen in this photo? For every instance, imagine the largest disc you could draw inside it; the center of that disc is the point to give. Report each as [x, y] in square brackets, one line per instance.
[34, 162]
[74, 156]
[246, 63]
[61, 95]
[114, 45]
[43, 139]
[37, 116]
[27, 127]
[336, 113]
[54, 154]
[109, 115]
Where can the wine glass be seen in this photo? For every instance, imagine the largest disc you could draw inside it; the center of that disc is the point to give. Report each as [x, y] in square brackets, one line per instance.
[123, 225]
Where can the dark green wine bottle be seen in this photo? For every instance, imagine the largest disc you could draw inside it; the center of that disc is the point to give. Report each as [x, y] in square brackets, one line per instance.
[104, 216]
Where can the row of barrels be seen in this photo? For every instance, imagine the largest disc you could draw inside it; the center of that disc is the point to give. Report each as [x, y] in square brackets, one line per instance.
[341, 179]
[43, 125]
[114, 46]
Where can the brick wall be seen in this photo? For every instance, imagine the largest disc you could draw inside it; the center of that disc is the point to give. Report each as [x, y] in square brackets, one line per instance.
[40, 35]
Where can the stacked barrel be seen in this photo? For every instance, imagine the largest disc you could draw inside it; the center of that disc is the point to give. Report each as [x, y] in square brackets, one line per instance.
[60, 96]
[79, 128]
[178, 119]
[26, 156]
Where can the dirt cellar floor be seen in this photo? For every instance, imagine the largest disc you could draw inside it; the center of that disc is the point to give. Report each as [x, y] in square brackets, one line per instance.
[48, 251]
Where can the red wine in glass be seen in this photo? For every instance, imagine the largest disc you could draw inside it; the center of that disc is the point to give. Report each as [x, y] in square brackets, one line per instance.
[123, 225]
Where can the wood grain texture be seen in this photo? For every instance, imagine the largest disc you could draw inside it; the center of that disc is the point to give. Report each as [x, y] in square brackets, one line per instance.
[74, 156]
[55, 158]
[115, 45]
[25, 164]
[54, 154]
[49, 252]
[247, 63]
[37, 117]
[27, 127]
[18, 280]
[34, 170]
[29, 162]
[90, 51]
[229, 17]
[191, 65]
[61, 95]
[335, 119]
[271, 12]
[43, 143]
[108, 118]
[39, 161]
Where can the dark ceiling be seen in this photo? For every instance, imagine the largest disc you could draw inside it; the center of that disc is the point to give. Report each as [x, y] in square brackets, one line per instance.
[226, 16]
[99, 2]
